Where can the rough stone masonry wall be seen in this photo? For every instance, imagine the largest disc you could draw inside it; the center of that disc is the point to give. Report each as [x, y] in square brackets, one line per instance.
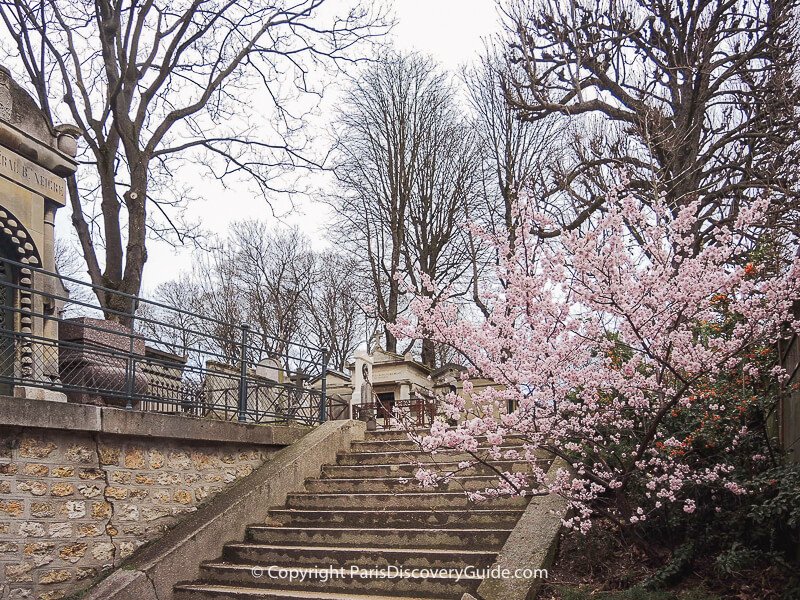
[75, 502]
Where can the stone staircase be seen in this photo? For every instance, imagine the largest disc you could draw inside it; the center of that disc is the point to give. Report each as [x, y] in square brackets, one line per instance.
[360, 513]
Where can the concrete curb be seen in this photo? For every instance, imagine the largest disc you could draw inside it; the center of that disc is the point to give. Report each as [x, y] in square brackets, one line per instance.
[44, 414]
[151, 573]
[531, 545]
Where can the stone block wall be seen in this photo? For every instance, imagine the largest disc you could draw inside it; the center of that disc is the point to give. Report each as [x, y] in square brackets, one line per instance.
[73, 503]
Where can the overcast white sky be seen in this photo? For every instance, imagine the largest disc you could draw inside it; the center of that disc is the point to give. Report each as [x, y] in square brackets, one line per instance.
[451, 31]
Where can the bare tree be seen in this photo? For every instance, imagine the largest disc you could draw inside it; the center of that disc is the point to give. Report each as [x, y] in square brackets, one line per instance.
[270, 280]
[182, 332]
[513, 154]
[333, 314]
[696, 100]
[406, 174]
[217, 296]
[274, 272]
[70, 265]
[149, 83]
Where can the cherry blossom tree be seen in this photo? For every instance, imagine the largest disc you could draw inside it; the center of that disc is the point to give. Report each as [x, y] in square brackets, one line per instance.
[601, 341]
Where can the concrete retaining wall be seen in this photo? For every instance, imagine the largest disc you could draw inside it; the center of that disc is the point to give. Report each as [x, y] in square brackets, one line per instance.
[82, 487]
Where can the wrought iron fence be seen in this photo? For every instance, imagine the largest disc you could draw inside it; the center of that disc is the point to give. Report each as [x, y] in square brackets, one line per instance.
[417, 412]
[54, 336]
[338, 407]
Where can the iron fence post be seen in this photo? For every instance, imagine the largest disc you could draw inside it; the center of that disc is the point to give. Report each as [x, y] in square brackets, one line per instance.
[323, 400]
[131, 370]
[243, 375]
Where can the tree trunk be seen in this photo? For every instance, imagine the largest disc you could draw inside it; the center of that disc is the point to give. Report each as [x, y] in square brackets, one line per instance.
[123, 308]
[391, 317]
[428, 353]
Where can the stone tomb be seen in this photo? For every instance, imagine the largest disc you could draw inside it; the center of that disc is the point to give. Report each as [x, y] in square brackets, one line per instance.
[103, 359]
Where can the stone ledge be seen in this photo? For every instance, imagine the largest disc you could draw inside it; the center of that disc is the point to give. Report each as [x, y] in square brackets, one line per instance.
[531, 544]
[151, 573]
[43, 414]
[139, 423]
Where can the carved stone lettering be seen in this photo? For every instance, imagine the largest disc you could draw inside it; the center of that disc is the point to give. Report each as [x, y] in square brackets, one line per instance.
[30, 175]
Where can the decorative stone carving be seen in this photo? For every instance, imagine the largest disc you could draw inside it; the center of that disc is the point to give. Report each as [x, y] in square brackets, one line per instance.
[5, 103]
[68, 139]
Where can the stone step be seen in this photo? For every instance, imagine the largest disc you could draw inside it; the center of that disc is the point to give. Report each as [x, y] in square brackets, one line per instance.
[223, 573]
[456, 518]
[413, 456]
[368, 512]
[344, 556]
[392, 434]
[203, 591]
[396, 501]
[409, 469]
[383, 445]
[429, 537]
[398, 484]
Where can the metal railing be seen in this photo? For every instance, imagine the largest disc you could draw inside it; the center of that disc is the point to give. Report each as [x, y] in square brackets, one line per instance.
[172, 360]
[412, 413]
[338, 407]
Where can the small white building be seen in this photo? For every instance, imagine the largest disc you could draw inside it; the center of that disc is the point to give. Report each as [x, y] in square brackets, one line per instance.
[383, 386]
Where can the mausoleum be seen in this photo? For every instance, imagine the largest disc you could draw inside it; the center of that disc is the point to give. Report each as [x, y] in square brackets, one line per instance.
[381, 385]
[35, 160]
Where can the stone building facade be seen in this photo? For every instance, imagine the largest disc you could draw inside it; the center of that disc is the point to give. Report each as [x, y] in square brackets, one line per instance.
[35, 159]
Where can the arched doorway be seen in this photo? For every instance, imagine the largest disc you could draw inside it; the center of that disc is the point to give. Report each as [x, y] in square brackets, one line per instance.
[17, 251]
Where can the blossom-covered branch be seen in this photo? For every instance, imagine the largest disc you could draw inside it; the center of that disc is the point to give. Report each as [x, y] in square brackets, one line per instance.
[601, 344]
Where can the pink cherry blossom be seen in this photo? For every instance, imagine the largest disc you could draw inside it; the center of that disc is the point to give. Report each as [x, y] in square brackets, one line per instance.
[594, 337]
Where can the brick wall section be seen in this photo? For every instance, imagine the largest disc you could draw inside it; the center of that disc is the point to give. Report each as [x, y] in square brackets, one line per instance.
[78, 495]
